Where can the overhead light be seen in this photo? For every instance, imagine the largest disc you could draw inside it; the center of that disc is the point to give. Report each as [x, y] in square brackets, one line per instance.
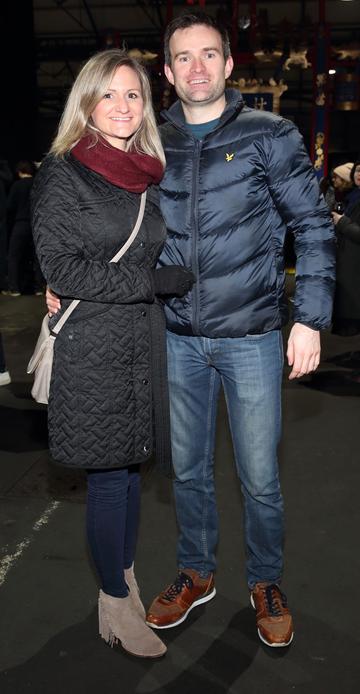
[332, 71]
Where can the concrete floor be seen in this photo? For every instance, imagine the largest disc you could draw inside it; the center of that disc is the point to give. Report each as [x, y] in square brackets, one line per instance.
[48, 592]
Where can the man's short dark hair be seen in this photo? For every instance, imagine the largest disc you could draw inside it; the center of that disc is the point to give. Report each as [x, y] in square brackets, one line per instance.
[185, 21]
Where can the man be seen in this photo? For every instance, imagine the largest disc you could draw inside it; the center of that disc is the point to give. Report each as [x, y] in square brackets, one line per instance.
[235, 179]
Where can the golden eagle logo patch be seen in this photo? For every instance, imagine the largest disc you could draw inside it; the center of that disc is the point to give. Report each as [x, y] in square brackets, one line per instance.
[229, 157]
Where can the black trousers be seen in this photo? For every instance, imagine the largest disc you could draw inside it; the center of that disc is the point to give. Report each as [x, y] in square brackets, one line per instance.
[2, 356]
[3, 255]
[21, 256]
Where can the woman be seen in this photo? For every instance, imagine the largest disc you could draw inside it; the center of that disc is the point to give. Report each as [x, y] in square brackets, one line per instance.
[336, 186]
[341, 186]
[108, 403]
[346, 317]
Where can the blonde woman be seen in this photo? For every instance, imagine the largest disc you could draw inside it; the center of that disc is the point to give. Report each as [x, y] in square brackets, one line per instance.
[108, 406]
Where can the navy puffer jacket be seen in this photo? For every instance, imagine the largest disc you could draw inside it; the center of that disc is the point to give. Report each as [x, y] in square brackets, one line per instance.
[227, 201]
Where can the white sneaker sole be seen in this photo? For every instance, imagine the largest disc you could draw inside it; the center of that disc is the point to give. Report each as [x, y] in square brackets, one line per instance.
[5, 378]
[283, 644]
[200, 601]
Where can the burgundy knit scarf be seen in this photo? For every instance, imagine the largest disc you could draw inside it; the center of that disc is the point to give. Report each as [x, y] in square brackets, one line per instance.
[129, 170]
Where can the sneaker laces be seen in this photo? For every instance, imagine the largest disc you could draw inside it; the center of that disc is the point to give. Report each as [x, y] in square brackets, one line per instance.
[276, 600]
[182, 581]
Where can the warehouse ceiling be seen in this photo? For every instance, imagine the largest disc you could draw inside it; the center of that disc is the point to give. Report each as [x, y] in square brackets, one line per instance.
[271, 41]
[68, 31]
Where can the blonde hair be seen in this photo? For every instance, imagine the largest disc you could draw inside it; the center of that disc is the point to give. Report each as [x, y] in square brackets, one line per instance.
[88, 89]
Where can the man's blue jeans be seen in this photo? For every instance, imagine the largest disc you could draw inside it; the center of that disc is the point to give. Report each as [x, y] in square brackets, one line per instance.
[250, 371]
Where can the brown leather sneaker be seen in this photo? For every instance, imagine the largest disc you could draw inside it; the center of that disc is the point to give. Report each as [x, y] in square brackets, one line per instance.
[273, 619]
[173, 605]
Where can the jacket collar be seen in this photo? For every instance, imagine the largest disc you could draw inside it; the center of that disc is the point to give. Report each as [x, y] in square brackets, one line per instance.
[234, 104]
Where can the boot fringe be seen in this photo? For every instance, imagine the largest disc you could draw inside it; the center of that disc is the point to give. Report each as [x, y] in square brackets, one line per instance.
[119, 623]
[105, 630]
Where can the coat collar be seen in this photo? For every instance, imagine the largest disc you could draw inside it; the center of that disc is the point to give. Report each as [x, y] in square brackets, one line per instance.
[234, 104]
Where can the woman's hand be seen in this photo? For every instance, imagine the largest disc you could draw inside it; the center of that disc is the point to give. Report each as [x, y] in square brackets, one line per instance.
[53, 302]
[336, 217]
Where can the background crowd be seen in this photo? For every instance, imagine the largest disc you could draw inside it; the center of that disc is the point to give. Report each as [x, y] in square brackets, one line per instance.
[342, 194]
[19, 268]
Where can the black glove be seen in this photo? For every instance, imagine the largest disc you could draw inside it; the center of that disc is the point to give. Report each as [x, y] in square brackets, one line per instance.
[174, 280]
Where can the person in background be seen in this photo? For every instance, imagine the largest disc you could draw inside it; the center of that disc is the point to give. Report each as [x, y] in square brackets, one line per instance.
[5, 377]
[21, 252]
[342, 185]
[108, 404]
[346, 315]
[5, 180]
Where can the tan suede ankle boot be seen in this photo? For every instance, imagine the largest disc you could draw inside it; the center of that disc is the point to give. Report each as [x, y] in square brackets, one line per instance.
[134, 591]
[120, 622]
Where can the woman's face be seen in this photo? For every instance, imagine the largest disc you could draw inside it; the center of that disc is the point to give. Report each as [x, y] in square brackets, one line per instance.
[339, 182]
[119, 114]
[357, 175]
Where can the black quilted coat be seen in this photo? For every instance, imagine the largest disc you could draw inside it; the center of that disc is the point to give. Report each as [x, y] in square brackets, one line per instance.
[108, 402]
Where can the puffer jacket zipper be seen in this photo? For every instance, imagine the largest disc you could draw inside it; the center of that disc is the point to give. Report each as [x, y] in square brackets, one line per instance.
[195, 322]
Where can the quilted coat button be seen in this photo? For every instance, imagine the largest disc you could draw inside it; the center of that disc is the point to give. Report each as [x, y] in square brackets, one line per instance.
[145, 381]
[143, 313]
[142, 245]
[146, 448]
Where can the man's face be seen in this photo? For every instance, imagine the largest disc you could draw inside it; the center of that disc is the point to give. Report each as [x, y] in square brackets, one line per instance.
[198, 70]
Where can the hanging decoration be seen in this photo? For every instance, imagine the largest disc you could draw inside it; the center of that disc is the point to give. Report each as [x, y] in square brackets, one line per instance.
[349, 51]
[143, 55]
[263, 96]
[297, 57]
[320, 119]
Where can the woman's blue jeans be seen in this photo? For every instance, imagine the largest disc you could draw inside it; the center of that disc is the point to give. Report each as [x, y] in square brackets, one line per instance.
[112, 524]
[250, 371]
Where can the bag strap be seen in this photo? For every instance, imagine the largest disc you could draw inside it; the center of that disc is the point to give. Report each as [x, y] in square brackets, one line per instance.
[134, 232]
[115, 259]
